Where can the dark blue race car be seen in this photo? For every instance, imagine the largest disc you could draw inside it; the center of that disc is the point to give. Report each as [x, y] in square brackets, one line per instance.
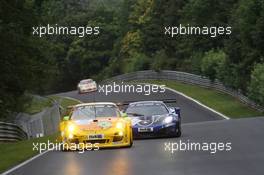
[154, 119]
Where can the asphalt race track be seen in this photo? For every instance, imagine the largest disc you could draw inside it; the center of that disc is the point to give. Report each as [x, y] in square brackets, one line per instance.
[191, 112]
[149, 157]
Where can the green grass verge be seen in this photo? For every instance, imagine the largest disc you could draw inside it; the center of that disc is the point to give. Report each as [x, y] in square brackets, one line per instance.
[14, 153]
[216, 100]
[37, 104]
[64, 101]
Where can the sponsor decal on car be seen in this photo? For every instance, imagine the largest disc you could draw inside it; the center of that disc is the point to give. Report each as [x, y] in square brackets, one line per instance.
[150, 129]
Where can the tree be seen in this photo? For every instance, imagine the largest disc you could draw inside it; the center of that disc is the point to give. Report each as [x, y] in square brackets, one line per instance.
[245, 46]
[25, 61]
[137, 62]
[256, 87]
[160, 61]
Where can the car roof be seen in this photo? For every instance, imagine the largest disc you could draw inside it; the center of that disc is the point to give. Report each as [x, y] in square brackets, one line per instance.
[86, 80]
[95, 103]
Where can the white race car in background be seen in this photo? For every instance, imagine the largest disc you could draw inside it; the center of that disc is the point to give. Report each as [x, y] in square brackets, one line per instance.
[87, 85]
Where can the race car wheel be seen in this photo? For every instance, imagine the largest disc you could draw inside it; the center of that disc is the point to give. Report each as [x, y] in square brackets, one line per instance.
[177, 131]
[178, 134]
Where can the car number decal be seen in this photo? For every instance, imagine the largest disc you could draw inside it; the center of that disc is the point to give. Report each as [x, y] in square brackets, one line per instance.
[104, 124]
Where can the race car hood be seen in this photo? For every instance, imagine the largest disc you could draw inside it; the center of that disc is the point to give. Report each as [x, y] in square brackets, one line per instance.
[148, 120]
[96, 124]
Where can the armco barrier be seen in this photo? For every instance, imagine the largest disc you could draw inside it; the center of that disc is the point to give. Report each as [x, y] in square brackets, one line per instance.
[11, 132]
[185, 78]
[36, 125]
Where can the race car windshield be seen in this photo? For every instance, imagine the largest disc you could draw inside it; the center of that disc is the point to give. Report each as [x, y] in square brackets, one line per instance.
[86, 81]
[146, 110]
[92, 112]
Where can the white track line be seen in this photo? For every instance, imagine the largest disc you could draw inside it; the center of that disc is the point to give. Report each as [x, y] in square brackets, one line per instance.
[204, 122]
[24, 163]
[195, 101]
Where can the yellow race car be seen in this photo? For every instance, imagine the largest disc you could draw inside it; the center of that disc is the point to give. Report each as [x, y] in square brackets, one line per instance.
[94, 126]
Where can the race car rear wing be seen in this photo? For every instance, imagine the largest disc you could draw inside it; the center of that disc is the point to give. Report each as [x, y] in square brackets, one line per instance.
[122, 106]
[125, 103]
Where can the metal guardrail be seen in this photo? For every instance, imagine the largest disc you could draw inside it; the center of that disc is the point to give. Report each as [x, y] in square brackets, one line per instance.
[10, 132]
[188, 79]
[25, 126]
[40, 124]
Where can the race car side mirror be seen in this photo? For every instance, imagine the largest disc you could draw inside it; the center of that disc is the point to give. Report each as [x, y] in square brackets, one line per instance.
[123, 114]
[172, 110]
[66, 118]
[178, 111]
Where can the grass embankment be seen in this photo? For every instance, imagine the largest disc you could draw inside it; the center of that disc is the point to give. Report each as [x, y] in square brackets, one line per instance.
[216, 100]
[37, 104]
[64, 101]
[12, 154]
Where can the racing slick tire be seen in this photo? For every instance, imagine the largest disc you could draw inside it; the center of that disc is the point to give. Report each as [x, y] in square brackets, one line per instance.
[178, 132]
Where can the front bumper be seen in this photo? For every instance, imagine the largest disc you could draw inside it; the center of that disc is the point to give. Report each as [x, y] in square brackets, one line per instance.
[107, 141]
[83, 90]
[157, 131]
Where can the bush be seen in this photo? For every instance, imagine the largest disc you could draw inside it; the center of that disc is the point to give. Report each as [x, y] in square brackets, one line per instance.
[256, 87]
[213, 64]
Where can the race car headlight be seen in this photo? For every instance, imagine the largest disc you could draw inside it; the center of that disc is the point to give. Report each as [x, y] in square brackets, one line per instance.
[71, 128]
[119, 125]
[168, 120]
[70, 136]
[121, 133]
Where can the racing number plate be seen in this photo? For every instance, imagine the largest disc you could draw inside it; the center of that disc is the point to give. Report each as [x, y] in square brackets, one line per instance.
[145, 129]
[95, 136]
